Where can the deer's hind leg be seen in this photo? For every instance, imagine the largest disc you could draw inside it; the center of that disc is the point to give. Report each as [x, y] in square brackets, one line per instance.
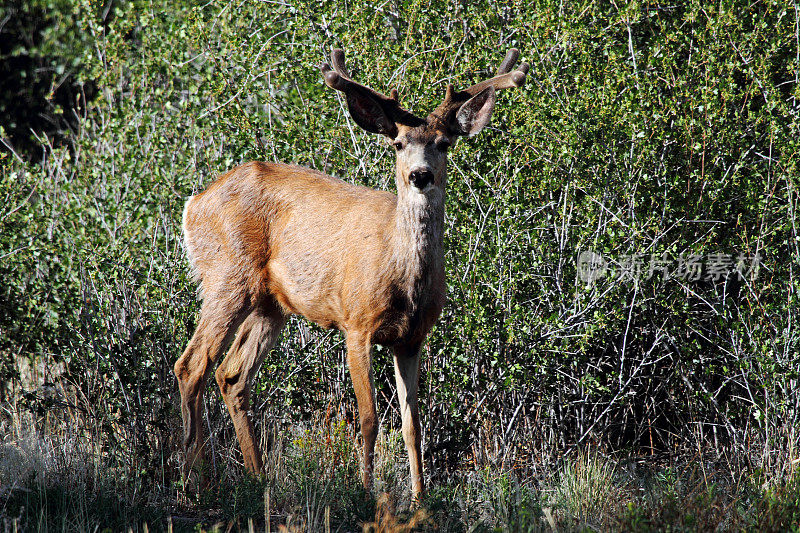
[257, 335]
[220, 316]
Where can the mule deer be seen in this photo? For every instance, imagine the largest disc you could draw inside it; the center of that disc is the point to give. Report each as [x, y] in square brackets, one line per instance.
[267, 240]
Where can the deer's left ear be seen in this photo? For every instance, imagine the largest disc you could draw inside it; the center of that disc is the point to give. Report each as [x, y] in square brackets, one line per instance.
[475, 113]
[369, 114]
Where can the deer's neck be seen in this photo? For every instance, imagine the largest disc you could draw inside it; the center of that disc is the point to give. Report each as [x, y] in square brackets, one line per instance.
[419, 225]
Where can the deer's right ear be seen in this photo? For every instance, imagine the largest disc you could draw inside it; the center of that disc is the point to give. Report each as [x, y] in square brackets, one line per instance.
[369, 114]
[475, 113]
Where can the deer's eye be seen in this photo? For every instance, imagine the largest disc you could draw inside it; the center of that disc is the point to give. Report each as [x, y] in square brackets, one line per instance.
[398, 145]
[442, 145]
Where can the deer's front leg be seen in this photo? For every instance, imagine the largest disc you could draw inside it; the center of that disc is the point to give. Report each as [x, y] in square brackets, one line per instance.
[406, 370]
[359, 360]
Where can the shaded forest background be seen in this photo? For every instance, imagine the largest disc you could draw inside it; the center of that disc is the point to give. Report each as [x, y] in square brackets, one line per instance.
[645, 130]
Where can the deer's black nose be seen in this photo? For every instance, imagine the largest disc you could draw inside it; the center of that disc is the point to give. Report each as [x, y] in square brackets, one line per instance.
[420, 178]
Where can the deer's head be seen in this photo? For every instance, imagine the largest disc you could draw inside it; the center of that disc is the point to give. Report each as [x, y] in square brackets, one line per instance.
[422, 144]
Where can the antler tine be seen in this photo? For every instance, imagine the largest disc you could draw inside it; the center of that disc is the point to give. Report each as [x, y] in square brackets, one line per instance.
[505, 78]
[337, 60]
[339, 78]
[511, 58]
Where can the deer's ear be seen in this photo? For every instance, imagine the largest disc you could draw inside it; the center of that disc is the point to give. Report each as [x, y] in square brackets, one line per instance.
[369, 114]
[475, 113]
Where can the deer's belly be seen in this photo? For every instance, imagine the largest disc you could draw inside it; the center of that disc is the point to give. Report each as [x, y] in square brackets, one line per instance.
[300, 291]
[404, 327]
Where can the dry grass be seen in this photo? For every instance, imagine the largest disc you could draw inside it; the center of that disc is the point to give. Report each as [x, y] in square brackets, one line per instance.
[588, 487]
[60, 473]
